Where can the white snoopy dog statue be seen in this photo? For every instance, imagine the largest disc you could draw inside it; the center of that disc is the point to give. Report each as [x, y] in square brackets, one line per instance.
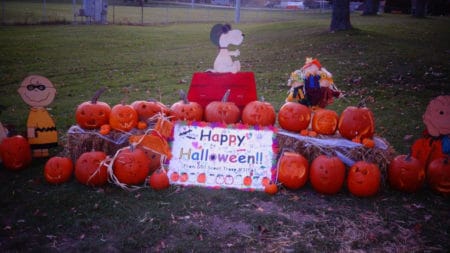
[223, 36]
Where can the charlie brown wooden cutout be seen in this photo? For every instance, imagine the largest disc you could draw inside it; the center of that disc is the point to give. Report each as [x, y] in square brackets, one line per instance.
[38, 92]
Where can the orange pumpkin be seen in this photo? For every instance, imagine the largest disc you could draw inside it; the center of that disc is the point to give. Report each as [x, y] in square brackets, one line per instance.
[123, 117]
[89, 169]
[187, 110]
[159, 180]
[327, 174]
[364, 179]
[93, 114]
[15, 152]
[131, 166]
[292, 170]
[356, 123]
[259, 113]
[406, 173]
[438, 175]
[294, 117]
[325, 121]
[222, 111]
[271, 188]
[58, 170]
[147, 109]
[427, 149]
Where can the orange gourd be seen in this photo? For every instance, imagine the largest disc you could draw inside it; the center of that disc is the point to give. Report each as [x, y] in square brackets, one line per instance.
[159, 180]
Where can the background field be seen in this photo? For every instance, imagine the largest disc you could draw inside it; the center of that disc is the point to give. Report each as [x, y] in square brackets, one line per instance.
[402, 63]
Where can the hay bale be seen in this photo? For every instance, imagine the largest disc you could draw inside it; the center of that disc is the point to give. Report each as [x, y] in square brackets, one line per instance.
[80, 141]
[348, 151]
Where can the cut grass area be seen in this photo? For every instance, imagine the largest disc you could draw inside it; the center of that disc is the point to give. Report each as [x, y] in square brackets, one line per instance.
[399, 61]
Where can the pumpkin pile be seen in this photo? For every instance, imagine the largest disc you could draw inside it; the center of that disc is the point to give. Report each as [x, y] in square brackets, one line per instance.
[127, 144]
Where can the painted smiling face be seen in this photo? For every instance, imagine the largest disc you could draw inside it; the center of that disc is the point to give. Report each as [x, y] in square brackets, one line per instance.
[37, 91]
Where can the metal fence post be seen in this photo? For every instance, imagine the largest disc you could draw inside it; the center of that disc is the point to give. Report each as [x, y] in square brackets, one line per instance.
[237, 15]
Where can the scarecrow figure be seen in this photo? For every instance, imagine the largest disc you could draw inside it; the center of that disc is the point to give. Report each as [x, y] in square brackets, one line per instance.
[312, 85]
[38, 92]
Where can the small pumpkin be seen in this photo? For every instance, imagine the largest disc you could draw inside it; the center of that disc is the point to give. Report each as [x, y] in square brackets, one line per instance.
[222, 111]
[259, 113]
[271, 188]
[438, 175]
[90, 170]
[15, 152]
[406, 173]
[159, 180]
[105, 129]
[292, 170]
[187, 110]
[325, 121]
[364, 179]
[131, 166]
[327, 174]
[146, 109]
[58, 170]
[123, 117]
[356, 123]
[93, 114]
[294, 116]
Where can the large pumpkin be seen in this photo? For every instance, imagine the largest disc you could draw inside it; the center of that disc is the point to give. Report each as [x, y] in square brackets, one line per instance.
[58, 170]
[15, 152]
[90, 170]
[406, 173]
[294, 117]
[149, 108]
[356, 123]
[259, 113]
[438, 175]
[364, 179]
[131, 166]
[222, 111]
[325, 121]
[327, 174]
[187, 110]
[93, 114]
[123, 117]
[292, 170]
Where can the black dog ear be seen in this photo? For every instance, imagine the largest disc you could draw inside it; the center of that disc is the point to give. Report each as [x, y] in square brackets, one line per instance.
[226, 28]
[215, 33]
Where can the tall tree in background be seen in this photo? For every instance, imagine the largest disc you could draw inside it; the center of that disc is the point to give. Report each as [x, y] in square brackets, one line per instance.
[419, 8]
[371, 7]
[340, 19]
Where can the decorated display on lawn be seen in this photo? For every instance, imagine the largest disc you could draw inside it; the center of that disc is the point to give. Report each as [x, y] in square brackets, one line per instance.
[38, 92]
[220, 135]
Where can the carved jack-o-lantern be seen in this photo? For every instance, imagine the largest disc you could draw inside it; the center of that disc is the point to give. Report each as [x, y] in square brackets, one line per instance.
[123, 117]
[15, 152]
[325, 121]
[327, 174]
[93, 114]
[364, 179]
[259, 113]
[294, 116]
[148, 109]
[131, 166]
[187, 110]
[222, 111]
[292, 170]
[406, 173]
[438, 175]
[90, 170]
[356, 123]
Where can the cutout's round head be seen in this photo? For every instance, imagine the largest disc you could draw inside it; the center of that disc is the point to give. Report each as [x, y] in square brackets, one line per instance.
[37, 91]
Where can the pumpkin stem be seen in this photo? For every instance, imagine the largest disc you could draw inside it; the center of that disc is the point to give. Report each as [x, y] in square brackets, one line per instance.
[225, 96]
[97, 95]
[183, 97]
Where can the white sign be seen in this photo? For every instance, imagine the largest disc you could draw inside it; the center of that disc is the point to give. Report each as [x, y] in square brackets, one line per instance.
[217, 155]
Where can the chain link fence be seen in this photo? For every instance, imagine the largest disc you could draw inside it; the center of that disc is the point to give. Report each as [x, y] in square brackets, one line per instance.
[140, 12]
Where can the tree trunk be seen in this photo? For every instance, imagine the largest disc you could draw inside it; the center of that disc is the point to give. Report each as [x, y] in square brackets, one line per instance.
[418, 8]
[371, 7]
[340, 19]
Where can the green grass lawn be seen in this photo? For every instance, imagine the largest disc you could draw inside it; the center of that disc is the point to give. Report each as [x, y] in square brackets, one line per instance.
[399, 61]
